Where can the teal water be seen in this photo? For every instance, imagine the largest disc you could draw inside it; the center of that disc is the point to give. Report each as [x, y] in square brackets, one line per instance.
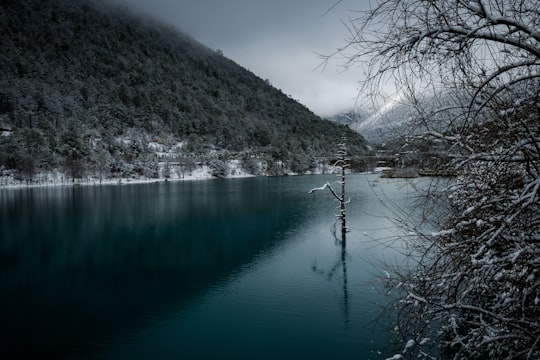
[239, 269]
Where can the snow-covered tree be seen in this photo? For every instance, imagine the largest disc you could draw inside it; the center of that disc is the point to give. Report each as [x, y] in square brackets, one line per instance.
[475, 289]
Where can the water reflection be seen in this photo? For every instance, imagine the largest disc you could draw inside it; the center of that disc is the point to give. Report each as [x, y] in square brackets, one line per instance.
[346, 309]
[190, 270]
[340, 264]
[79, 263]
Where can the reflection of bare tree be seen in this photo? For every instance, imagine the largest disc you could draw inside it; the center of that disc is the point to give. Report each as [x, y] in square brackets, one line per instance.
[341, 263]
[346, 308]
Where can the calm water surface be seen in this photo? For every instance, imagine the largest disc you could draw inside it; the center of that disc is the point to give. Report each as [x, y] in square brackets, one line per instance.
[239, 269]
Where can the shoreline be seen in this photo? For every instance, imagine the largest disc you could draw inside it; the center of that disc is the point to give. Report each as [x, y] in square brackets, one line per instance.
[59, 180]
[198, 175]
[233, 170]
[117, 181]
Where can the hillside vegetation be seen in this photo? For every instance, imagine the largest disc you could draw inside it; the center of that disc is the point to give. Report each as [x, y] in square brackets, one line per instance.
[89, 91]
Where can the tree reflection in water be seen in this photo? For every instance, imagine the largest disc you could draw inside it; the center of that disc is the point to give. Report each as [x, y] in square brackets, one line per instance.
[341, 263]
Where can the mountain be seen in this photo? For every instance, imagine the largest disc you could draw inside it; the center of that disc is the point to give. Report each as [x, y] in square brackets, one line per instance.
[400, 131]
[392, 121]
[88, 89]
[398, 119]
[388, 123]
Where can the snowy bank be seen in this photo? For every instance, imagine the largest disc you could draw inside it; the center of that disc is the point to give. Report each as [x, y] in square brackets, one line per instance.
[167, 171]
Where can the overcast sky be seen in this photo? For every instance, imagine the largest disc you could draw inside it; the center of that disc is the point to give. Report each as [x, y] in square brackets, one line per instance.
[276, 39]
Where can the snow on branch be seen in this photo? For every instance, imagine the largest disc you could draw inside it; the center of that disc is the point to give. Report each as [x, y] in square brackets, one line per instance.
[326, 186]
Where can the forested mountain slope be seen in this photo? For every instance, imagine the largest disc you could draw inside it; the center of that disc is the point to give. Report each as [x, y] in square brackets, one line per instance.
[87, 89]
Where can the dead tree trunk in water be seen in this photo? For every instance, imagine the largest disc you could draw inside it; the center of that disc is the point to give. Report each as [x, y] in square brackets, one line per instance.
[343, 164]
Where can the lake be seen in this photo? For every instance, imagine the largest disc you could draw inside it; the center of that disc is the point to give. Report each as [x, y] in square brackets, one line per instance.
[230, 268]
